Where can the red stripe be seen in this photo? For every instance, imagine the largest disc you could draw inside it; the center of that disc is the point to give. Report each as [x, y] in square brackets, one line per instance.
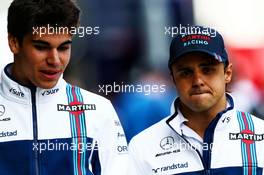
[74, 95]
[247, 146]
[79, 141]
[245, 120]
[77, 121]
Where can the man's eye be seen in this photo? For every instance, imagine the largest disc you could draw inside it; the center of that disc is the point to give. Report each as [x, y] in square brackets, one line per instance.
[207, 70]
[185, 73]
[63, 48]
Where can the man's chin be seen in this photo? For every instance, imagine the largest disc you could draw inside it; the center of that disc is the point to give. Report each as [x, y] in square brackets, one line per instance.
[200, 106]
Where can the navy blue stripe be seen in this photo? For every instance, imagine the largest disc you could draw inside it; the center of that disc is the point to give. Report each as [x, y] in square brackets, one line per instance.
[96, 163]
[17, 157]
[35, 126]
[224, 171]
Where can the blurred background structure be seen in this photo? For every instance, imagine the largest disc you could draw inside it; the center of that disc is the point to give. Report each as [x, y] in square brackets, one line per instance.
[133, 49]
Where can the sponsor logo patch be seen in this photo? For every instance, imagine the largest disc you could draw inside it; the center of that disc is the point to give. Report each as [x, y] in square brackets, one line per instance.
[167, 143]
[2, 112]
[122, 149]
[247, 136]
[17, 92]
[170, 167]
[76, 108]
[8, 133]
[49, 92]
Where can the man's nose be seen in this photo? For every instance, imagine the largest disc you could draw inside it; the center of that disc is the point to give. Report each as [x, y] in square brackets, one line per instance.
[53, 57]
[197, 79]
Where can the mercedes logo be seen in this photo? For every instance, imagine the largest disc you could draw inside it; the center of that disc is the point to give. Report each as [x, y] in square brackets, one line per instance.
[167, 143]
[2, 110]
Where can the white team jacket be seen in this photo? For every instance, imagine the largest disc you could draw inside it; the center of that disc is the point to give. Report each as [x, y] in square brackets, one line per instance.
[233, 145]
[58, 131]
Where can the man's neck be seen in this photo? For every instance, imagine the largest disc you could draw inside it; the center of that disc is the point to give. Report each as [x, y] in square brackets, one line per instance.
[199, 121]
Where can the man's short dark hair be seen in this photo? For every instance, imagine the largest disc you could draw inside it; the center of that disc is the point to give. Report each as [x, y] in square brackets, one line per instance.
[23, 15]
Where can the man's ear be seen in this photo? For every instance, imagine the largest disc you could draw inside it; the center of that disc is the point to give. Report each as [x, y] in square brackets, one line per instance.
[228, 73]
[13, 44]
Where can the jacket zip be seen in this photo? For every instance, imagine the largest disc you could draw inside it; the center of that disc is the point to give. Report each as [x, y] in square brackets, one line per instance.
[35, 128]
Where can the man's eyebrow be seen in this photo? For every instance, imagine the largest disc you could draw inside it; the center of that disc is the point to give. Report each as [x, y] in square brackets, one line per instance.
[48, 44]
[182, 68]
[41, 42]
[66, 42]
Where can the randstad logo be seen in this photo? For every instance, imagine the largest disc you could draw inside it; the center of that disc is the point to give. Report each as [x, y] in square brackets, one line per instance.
[8, 134]
[171, 167]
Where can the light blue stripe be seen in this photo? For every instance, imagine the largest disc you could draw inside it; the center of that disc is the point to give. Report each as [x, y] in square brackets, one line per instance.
[253, 157]
[84, 157]
[240, 120]
[255, 153]
[245, 163]
[83, 140]
[69, 94]
[75, 156]
[250, 123]
[73, 130]
[80, 93]
[245, 160]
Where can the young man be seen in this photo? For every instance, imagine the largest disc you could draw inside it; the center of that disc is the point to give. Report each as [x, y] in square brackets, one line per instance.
[204, 134]
[48, 126]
